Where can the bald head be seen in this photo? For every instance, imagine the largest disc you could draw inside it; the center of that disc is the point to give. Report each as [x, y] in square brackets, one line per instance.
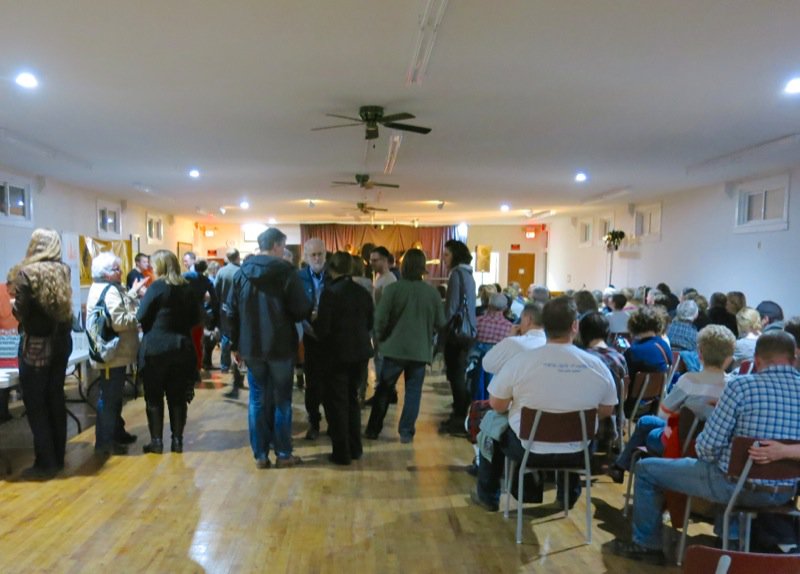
[314, 254]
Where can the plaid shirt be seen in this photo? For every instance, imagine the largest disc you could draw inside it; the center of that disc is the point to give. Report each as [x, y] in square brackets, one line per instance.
[764, 405]
[493, 327]
[682, 335]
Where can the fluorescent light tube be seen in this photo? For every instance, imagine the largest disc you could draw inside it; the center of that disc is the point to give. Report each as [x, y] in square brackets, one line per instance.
[430, 22]
[391, 156]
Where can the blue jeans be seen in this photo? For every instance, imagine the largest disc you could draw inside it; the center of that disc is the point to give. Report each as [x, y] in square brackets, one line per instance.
[270, 409]
[689, 476]
[647, 433]
[225, 353]
[109, 406]
[391, 370]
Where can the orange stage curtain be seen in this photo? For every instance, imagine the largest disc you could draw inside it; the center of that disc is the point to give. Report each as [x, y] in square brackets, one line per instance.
[396, 238]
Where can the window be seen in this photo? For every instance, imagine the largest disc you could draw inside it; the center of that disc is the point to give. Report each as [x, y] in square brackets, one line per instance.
[763, 205]
[109, 220]
[647, 222]
[155, 228]
[15, 203]
[584, 232]
[605, 223]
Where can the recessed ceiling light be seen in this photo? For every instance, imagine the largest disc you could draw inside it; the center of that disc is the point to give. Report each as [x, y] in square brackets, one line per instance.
[244, 205]
[792, 87]
[194, 173]
[504, 207]
[272, 221]
[27, 80]
[580, 177]
[222, 210]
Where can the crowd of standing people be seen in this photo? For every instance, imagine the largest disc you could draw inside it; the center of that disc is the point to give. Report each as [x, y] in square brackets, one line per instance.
[558, 354]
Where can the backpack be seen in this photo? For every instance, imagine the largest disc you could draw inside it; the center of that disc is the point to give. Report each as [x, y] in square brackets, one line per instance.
[103, 340]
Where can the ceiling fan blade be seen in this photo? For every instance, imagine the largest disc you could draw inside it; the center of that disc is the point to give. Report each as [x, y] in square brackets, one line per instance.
[408, 128]
[397, 117]
[344, 183]
[344, 117]
[377, 209]
[336, 126]
[394, 185]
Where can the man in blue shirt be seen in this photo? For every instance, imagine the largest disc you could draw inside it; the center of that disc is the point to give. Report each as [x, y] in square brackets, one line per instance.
[313, 277]
[764, 405]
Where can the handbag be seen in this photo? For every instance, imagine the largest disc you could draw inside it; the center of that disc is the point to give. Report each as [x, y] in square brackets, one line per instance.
[459, 329]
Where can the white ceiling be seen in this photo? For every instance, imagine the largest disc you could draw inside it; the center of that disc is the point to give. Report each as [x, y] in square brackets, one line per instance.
[520, 94]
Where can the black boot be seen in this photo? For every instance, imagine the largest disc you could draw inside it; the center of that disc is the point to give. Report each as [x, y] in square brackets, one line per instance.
[177, 421]
[155, 423]
[238, 383]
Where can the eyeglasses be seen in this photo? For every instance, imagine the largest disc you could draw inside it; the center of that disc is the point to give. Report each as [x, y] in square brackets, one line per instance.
[116, 270]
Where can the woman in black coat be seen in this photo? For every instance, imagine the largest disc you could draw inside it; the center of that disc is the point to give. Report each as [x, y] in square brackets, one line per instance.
[167, 359]
[343, 326]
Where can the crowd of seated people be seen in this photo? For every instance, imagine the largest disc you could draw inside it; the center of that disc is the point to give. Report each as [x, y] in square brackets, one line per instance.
[659, 326]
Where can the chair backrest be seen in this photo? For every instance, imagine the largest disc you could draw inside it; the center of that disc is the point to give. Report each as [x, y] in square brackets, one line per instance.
[706, 560]
[557, 427]
[654, 385]
[689, 426]
[786, 469]
[745, 367]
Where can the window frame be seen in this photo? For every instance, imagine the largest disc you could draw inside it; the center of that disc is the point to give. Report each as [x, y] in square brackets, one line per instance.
[585, 232]
[7, 182]
[744, 190]
[649, 212]
[103, 209]
[158, 221]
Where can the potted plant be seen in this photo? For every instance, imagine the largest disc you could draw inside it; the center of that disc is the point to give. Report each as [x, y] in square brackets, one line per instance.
[612, 239]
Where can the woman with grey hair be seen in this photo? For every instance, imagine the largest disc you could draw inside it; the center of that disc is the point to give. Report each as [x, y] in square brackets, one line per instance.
[110, 434]
[682, 333]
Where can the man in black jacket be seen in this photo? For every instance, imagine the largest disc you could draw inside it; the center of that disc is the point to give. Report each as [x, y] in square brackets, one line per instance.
[265, 302]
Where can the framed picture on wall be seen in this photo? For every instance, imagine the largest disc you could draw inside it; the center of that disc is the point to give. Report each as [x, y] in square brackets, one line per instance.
[183, 248]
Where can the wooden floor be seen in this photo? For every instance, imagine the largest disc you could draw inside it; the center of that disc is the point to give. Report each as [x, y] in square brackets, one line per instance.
[402, 508]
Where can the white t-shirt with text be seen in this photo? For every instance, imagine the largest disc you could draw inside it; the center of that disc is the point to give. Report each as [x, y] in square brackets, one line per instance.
[556, 378]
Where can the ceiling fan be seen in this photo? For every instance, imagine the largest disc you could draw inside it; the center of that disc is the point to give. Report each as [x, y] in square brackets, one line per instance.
[367, 209]
[371, 116]
[363, 181]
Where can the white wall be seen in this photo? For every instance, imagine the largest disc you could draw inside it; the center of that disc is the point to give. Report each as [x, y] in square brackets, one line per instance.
[698, 248]
[501, 237]
[67, 208]
[228, 235]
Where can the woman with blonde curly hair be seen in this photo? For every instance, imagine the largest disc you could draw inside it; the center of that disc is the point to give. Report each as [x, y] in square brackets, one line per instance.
[43, 307]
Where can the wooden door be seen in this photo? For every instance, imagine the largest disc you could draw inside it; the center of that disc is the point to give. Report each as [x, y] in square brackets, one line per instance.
[520, 269]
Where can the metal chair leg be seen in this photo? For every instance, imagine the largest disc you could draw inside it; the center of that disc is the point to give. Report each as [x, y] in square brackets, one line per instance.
[520, 498]
[509, 469]
[684, 531]
[629, 487]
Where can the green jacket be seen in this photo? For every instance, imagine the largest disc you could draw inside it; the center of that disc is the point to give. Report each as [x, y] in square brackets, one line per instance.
[408, 315]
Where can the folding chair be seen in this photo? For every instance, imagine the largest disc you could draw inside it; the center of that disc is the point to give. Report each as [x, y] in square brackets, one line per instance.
[742, 469]
[706, 560]
[689, 426]
[645, 387]
[544, 426]
[676, 360]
